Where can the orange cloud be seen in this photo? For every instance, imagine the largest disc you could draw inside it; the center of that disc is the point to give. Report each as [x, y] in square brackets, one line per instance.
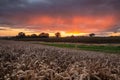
[77, 24]
[72, 25]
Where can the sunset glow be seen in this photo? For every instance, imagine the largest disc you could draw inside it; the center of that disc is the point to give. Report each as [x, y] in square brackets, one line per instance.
[72, 17]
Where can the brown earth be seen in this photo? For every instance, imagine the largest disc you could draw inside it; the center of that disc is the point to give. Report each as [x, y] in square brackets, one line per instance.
[26, 61]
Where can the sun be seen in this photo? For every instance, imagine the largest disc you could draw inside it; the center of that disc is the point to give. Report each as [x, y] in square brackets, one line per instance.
[76, 33]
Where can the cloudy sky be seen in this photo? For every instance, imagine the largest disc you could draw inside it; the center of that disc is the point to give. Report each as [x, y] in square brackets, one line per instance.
[66, 16]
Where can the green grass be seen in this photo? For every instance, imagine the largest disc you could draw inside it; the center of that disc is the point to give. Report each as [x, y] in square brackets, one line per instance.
[100, 48]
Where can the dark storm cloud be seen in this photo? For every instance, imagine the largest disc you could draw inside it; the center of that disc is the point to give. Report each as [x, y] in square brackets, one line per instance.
[58, 7]
[114, 28]
[17, 12]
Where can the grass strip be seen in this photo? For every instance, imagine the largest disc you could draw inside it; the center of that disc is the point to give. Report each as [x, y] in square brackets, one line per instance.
[100, 48]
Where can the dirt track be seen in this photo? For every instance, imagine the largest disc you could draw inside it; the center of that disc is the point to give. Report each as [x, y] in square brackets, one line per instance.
[26, 61]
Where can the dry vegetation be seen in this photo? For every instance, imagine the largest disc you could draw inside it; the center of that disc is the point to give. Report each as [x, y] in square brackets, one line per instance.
[25, 61]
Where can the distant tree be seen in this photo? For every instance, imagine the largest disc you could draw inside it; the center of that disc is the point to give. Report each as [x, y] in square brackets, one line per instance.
[92, 35]
[33, 35]
[58, 34]
[72, 36]
[28, 36]
[44, 35]
[21, 35]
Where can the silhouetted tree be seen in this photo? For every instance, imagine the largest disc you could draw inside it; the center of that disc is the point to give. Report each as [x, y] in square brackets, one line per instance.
[34, 36]
[21, 35]
[92, 35]
[72, 36]
[28, 36]
[44, 35]
[58, 34]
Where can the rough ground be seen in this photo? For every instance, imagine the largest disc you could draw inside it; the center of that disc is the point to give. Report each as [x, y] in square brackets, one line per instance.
[26, 61]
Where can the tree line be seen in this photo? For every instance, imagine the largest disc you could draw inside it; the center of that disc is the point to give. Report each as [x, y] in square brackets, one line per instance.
[46, 35]
[41, 35]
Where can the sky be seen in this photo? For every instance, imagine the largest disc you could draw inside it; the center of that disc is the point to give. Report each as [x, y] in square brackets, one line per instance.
[70, 17]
